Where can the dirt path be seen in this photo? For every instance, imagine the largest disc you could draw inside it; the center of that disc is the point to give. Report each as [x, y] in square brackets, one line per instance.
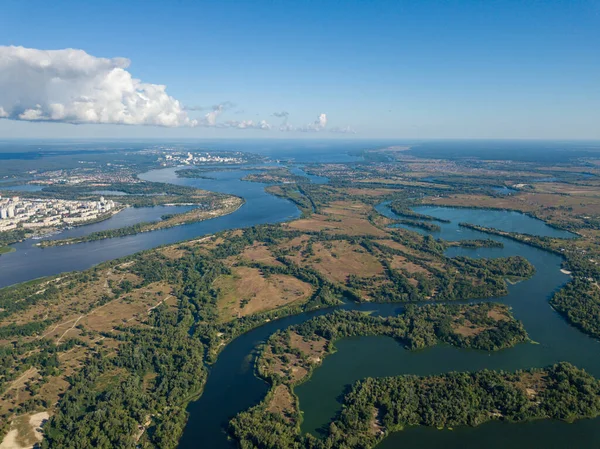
[72, 327]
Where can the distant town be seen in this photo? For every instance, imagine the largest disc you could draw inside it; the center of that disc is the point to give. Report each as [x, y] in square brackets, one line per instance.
[30, 213]
[187, 158]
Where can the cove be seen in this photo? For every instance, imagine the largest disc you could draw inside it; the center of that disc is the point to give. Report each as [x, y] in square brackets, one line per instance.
[357, 358]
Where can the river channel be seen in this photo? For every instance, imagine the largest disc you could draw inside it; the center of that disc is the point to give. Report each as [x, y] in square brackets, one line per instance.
[232, 386]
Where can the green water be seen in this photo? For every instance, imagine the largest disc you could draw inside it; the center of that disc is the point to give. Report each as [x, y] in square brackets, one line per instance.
[357, 358]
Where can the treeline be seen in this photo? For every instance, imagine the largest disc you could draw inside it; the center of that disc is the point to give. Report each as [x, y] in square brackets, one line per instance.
[483, 243]
[402, 209]
[10, 237]
[579, 301]
[459, 277]
[159, 367]
[429, 227]
[376, 407]
[168, 220]
[417, 327]
[23, 330]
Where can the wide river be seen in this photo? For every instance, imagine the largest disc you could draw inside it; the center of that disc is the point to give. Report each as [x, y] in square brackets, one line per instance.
[232, 386]
[30, 262]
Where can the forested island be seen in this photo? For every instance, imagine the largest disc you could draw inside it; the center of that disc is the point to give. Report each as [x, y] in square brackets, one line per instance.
[376, 407]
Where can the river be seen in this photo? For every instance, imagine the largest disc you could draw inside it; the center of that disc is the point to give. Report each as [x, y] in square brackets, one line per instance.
[232, 387]
[30, 262]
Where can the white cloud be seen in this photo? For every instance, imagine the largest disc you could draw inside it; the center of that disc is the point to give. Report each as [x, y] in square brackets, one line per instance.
[248, 124]
[342, 130]
[319, 124]
[72, 86]
[75, 87]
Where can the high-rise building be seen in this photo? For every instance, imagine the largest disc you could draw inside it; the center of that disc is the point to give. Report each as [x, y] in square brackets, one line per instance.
[11, 212]
[3, 213]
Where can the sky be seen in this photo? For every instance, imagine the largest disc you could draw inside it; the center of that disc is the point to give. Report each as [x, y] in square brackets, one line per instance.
[316, 69]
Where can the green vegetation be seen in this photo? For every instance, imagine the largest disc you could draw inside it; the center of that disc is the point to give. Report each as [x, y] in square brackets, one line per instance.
[275, 176]
[579, 301]
[289, 357]
[429, 227]
[485, 326]
[131, 381]
[402, 209]
[486, 243]
[10, 237]
[159, 367]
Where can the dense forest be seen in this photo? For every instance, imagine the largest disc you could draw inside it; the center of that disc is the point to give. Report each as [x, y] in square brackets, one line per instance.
[579, 301]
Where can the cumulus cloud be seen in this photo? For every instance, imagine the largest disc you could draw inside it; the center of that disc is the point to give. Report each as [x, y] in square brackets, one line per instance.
[72, 86]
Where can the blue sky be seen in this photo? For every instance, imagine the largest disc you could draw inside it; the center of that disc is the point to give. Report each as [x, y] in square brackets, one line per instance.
[418, 69]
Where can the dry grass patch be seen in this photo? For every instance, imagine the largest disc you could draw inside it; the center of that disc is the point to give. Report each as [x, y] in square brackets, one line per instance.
[402, 263]
[532, 383]
[72, 303]
[259, 252]
[466, 328]
[369, 192]
[338, 224]
[49, 390]
[282, 403]
[314, 349]
[174, 252]
[294, 364]
[341, 217]
[247, 291]
[339, 259]
[548, 206]
[131, 308]
[25, 431]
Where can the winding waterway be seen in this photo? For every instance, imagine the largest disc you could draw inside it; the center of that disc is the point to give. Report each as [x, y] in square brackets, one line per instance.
[233, 387]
